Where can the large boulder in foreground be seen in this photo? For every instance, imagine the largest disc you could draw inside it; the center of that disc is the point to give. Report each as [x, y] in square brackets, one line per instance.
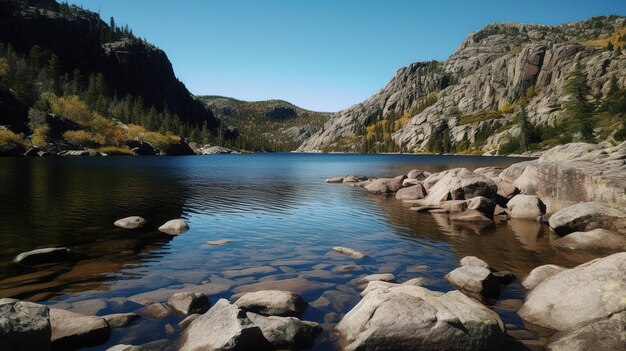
[286, 333]
[272, 303]
[578, 295]
[47, 255]
[408, 317]
[24, 326]
[72, 331]
[597, 241]
[603, 334]
[587, 216]
[223, 327]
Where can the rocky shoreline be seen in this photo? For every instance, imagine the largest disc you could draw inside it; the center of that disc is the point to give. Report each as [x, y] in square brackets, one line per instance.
[575, 308]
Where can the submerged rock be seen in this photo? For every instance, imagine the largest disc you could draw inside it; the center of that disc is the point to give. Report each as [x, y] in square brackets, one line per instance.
[409, 317]
[587, 216]
[223, 327]
[24, 326]
[349, 252]
[354, 179]
[578, 295]
[334, 180]
[219, 242]
[286, 332]
[119, 320]
[155, 310]
[174, 226]
[383, 277]
[47, 255]
[189, 302]
[73, 330]
[133, 222]
[597, 241]
[272, 303]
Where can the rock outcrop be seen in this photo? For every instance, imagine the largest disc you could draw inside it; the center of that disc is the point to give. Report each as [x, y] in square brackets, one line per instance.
[463, 96]
[24, 326]
[272, 303]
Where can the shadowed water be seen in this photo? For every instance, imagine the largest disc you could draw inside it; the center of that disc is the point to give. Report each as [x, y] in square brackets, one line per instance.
[276, 208]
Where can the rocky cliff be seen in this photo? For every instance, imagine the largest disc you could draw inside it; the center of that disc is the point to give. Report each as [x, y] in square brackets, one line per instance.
[130, 65]
[479, 87]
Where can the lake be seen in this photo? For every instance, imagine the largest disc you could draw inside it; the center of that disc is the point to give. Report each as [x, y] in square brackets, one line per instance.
[281, 215]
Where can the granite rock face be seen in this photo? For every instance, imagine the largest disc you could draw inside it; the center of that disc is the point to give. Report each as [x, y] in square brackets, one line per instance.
[24, 326]
[492, 66]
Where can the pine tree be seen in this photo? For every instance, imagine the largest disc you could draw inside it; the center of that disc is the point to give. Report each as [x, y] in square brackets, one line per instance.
[578, 109]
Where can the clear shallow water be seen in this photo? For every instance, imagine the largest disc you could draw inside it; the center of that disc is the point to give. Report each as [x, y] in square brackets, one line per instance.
[277, 209]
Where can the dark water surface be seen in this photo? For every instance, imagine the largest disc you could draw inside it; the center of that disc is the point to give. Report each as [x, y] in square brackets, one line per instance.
[277, 209]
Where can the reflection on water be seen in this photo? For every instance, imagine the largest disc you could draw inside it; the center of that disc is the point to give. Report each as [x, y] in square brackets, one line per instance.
[276, 208]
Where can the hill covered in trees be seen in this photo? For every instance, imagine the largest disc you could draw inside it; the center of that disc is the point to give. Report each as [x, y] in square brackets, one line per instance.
[509, 88]
[272, 125]
[68, 80]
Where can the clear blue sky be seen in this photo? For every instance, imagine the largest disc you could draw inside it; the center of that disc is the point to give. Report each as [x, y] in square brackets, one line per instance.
[323, 55]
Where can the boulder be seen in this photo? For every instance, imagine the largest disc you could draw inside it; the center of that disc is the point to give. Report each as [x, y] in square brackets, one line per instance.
[408, 182]
[188, 320]
[133, 222]
[554, 205]
[334, 180]
[459, 184]
[354, 179]
[525, 207]
[174, 226]
[219, 242]
[385, 185]
[598, 241]
[286, 333]
[383, 277]
[189, 302]
[155, 310]
[223, 327]
[587, 216]
[474, 261]
[470, 216]
[489, 172]
[473, 279]
[47, 255]
[506, 190]
[24, 326]
[579, 295]
[408, 317]
[603, 334]
[73, 330]
[349, 252]
[417, 174]
[414, 192]
[272, 303]
[141, 148]
[119, 320]
[540, 274]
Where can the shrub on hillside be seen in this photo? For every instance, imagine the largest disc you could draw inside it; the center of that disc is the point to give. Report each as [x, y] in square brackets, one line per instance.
[83, 138]
[11, 142]
[115, 150]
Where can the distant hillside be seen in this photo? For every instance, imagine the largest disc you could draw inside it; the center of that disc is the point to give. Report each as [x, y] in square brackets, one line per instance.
[273, 125]
[510, 87]
[60, 59]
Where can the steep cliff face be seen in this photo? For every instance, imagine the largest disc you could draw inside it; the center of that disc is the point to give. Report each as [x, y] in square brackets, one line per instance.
[129, 66]
[480, 84]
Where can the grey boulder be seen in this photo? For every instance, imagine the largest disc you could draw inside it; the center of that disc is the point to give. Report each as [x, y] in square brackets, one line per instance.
[385, 185]
[133, 222]
[413, 192]
[174, 226]
[24, 326]
[587, 216]
[288, 333]
[540, 274]
[525, 207]
[579, 295]
[597, 241]
[272, 303]
[408, 317]
[474, 279]
[47, 255]
[73, 330]
[223, 327]
[601, 335]
[189, 302]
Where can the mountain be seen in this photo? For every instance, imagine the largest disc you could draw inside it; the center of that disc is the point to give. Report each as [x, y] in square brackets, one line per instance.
[509, 87]
[272, 125]
[60, 50]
